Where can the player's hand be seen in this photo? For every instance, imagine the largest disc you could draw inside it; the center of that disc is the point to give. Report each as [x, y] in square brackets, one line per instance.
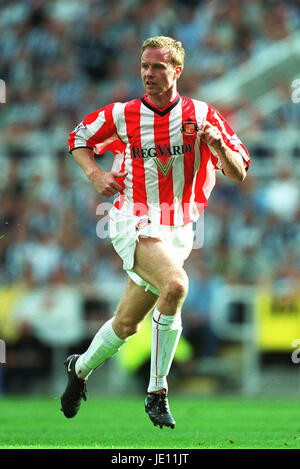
[106, 182]
[211, 135]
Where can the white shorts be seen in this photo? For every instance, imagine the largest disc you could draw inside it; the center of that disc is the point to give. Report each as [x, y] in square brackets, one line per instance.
[125, 231]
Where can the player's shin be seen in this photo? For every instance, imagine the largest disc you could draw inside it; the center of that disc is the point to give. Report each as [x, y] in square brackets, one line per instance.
[166, 331]
[103, 346]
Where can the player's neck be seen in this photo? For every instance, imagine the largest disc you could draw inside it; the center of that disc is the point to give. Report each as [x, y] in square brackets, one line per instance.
[164, 100]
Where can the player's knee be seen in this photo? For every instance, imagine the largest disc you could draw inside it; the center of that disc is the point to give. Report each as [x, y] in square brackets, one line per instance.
[127, 326]
[177, 287]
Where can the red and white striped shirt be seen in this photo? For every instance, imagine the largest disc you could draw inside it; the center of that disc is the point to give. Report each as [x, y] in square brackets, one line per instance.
[171, 170]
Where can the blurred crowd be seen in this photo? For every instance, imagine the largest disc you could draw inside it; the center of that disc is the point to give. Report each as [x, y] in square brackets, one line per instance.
[62, 59]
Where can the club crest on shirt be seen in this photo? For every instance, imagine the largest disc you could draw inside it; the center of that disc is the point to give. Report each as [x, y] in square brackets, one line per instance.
[189, 127]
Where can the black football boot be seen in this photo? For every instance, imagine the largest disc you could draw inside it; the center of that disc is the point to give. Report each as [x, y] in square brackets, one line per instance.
[157, 407]
[75, 390]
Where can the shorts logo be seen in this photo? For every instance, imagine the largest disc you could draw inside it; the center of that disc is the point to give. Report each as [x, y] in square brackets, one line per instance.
[142, 224]
[189, 127]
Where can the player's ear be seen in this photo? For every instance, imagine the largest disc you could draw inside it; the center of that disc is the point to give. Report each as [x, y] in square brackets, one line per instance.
[178, 71]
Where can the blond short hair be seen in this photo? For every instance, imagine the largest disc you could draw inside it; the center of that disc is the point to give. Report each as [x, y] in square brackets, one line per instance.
[175, 47]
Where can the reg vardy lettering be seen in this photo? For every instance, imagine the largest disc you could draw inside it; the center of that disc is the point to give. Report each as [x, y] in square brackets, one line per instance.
[161, 150]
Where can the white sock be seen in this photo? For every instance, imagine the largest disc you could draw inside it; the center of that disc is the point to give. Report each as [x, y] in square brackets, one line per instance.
[166, 331]
[103, 346]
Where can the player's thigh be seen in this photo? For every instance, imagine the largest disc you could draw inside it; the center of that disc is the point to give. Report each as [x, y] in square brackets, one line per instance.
[157, 264]
[134, 306]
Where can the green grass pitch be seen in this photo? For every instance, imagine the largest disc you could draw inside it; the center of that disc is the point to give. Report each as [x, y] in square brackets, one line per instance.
[119, 423]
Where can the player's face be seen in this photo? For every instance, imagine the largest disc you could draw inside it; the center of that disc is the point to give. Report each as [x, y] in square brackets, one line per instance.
[158, 73]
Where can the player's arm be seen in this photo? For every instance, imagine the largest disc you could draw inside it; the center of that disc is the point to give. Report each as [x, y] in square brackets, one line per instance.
[228, 152]
[104, 182]
[98, 129]
[232, 162]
